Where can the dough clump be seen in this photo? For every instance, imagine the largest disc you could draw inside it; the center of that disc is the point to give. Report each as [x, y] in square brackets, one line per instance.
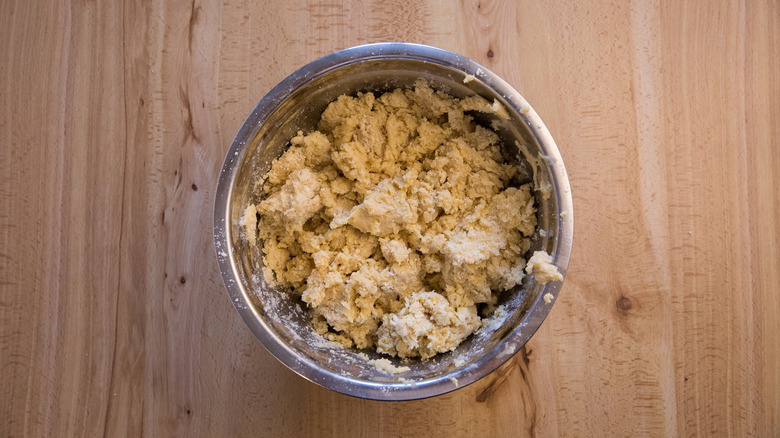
[544, 270]
[395, 219]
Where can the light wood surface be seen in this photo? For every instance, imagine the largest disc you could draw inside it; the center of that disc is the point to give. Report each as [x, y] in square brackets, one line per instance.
[114, 120]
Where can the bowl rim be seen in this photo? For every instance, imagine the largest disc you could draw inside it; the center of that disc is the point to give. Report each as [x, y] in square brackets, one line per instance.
[410, 390]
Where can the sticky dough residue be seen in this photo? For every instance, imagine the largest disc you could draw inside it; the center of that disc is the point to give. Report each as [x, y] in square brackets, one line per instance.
[395, 219]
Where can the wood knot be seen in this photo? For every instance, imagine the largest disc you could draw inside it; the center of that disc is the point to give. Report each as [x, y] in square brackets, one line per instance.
[490, 53]
[624, 304]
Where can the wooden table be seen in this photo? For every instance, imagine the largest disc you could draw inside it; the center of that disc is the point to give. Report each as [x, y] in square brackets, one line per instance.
[114, 121]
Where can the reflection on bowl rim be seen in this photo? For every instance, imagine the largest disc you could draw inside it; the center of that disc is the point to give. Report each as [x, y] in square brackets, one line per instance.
[402, 390]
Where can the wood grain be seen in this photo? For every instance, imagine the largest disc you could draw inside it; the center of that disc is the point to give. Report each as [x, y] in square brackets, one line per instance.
[115, 118]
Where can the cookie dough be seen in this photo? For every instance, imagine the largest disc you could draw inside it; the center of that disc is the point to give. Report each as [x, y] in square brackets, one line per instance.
[544, 270]
[395, 219]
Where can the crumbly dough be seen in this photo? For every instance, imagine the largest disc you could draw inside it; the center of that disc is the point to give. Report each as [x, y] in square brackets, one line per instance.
[395, 219]
[387, 366]
[544, 270]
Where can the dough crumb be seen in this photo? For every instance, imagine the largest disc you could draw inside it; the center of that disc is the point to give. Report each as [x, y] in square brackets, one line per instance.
[395, 220]
[548, 298]
[468, 79]
[454, 381]
[386, 366]
[542, 267]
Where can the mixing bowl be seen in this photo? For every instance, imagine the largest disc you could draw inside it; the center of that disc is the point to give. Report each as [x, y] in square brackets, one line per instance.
[281, 322]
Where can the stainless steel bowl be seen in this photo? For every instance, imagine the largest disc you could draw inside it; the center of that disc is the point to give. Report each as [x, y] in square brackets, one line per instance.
[281, 323]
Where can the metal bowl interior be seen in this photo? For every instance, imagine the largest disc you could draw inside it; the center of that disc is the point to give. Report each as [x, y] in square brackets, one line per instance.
[282, 323]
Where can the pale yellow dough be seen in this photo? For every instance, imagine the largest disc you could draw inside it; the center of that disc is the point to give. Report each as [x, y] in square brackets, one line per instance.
[544, 270]
[395, 219]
